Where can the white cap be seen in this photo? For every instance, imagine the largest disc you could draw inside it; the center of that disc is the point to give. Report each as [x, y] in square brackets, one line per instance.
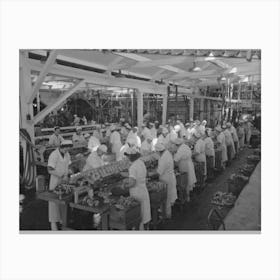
[159, 147]
[66, 143]
[164, 130]
[132, 151]
[103, 148]
[177, 127]
[78, 128]
[87, 135]
[218, 128]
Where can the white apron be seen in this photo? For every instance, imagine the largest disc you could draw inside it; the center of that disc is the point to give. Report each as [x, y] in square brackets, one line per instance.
[60, 164]
[166, 175]
[138, 172]
[221, 139]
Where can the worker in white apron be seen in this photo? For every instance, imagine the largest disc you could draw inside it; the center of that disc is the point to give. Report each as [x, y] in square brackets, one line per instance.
[137, 185]
[183, 157]
[58, 163]
[222, 142]
[199, 150]
[166, 175]
[115, 140]
[95, 160]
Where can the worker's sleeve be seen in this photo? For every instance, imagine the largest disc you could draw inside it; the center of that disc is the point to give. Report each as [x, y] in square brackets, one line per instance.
[197, 148]
[52, 160]
[132, 172]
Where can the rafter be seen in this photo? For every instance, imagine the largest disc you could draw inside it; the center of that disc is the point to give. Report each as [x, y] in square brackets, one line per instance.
[43, 73]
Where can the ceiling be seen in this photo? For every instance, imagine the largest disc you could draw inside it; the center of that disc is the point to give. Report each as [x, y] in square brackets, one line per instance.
[178, 66]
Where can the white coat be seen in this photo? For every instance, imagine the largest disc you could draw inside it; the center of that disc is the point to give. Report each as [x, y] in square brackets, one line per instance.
[146, 147]
[229, 141]
[138, 172]
[166, 175]
[115, 140]
[153, 131]
[80, 139]
[145, 132]
[123, 149]
[55, 140]
[199, 148]
[222, 140]
[93, 143]
[184, 158]
[93, 161]
[60, 164]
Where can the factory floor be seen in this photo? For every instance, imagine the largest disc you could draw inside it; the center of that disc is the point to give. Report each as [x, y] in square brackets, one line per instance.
[192, 217]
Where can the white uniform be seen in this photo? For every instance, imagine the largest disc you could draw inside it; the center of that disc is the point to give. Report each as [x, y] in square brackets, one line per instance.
[248, 132]
[153, 131]
[222, 140]
[134, 138]
[138, 172]
[166, 175]
[199, 148]
[78, 138]
[60, 164]
[229, 142]
[93, 161]
[164, 140]
[115, 140]
[184, 158]
[55, 140]
[145, 132]
[93, 143]
[146, 147]
[209, 147]
[123, 150]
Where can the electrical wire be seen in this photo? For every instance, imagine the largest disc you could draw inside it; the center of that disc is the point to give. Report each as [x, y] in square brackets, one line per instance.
[29, 171]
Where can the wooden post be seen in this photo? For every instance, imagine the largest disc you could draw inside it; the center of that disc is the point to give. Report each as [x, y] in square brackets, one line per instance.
[191, 108]
[208, 111]
[139, 108]
[38, 102]
[201, 109]
[164, 108]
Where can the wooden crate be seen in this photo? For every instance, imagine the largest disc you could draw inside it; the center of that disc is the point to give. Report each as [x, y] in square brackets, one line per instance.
[125, 219]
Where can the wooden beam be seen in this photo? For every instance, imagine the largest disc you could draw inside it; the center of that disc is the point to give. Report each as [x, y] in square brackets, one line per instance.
[193, 75]
[51, 107]
[157, 74]
[114, 63]
[101, 79]
[161, 62]
[45, 70]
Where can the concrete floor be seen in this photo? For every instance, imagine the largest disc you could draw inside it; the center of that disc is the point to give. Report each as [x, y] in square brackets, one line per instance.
[193, 216]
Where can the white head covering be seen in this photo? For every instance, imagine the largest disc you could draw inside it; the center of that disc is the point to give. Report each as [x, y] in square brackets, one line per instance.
[78, 128]
[149, 136]
[87, 135]
[177, 127]
[103, 148]
[159, 147]
[127, 126]
[66, 143]
[132, 151]
[164, 130]
[228, 124]
[113, 127]
[218, 128]
[178, 141]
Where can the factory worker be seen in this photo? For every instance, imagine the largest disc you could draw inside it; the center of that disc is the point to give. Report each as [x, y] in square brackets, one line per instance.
[195, 127]
[56, 139]
[146, 146]
[128, 144]
[153, 130]
[210, 153]
[188, 133]
[84, 119]
[248, 131]
[166, 175]
[115, 141]
[183, 157]
[202, 127]
[174, 133]
[95, 160]
[58, 164]
[233, 132]
[133, 136]
[76, 121]
[163, 137]
[108, 130]
[222, 143]
[137, 185]
[87, 136]
[241, 134]
[157, 125]
[229, 143]
[145, 131]
[93, 143]
[78, 137]
[199, 150]
[125, 130]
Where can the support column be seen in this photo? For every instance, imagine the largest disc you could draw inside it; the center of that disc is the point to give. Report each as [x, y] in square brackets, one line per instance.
[25, 91]
[139, 108]
[208, 111]
[164, 108]
[191, 108]
[201, 109]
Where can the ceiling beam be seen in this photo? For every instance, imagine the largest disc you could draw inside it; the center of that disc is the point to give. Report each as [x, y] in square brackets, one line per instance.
[63, 97]
[193, 75]
[100, 79]
[43, 73]
[161, 62]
